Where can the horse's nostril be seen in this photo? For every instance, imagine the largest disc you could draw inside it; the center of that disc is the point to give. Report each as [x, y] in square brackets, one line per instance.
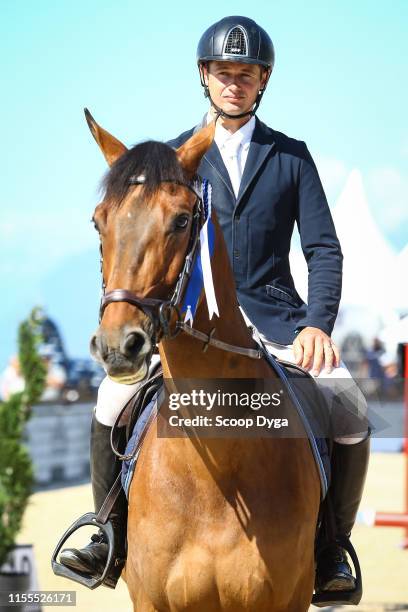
[93, 345]
[97, 346]
[133, 344]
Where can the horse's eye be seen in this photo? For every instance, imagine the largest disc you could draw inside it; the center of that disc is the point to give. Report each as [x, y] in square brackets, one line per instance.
[181, 222]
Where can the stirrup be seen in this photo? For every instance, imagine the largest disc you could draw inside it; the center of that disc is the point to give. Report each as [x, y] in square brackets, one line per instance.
[342, 598]
[113, 568]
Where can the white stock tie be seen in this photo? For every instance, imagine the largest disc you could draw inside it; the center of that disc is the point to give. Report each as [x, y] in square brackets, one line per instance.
[232, 149]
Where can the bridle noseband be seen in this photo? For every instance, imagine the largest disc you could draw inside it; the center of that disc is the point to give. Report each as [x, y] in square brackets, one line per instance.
[160, 311]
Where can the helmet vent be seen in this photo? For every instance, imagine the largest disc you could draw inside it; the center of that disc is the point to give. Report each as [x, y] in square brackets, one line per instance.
[236, 42]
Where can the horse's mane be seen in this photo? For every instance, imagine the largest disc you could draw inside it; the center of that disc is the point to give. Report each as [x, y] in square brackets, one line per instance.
[155, 160]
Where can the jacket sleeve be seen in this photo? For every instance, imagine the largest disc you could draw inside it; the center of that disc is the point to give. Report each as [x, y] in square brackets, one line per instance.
[321, 249]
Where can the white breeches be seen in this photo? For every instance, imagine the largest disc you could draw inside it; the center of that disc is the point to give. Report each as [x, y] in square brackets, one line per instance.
[337, 384]
[113, 396]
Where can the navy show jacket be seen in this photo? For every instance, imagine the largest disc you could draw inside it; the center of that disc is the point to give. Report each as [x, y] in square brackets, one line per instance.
[280, 186]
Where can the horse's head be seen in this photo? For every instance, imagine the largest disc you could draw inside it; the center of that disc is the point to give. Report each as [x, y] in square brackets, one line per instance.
[147, 222]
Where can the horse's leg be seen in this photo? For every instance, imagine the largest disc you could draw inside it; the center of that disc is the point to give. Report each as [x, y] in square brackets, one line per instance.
[141, 603]
[143, 606]
[301, 599]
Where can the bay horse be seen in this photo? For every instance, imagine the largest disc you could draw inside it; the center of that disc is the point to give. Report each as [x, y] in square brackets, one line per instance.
[226, 524]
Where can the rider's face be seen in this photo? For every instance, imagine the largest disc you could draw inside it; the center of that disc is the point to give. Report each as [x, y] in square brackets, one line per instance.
[234, 85]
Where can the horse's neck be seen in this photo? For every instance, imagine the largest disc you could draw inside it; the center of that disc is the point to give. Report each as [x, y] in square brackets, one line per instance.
[183, 356]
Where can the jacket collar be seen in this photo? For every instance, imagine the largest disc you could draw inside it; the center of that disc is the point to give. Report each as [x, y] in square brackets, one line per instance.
[262, 143]
[214, 159]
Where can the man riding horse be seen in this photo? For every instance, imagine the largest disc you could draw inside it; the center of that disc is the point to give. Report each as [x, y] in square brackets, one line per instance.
[262, 183]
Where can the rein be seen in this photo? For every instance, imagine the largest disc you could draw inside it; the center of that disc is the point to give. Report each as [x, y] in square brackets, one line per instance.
[160, 311]
[224, 346]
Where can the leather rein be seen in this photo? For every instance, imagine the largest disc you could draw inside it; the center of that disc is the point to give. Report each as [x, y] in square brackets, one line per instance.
[160, 311]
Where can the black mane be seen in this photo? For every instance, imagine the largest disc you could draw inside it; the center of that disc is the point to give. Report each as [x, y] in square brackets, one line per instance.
[155, 160]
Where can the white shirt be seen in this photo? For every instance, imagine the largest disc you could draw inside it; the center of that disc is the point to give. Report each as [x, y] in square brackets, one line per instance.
[239, 141]
[234, 149]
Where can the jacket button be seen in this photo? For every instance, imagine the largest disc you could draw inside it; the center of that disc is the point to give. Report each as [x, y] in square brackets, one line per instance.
[236, 254]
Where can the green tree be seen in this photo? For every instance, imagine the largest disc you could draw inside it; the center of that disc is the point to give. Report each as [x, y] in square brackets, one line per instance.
[16, 471]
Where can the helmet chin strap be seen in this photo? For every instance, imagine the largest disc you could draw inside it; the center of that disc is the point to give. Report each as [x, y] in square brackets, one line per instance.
[221, 113]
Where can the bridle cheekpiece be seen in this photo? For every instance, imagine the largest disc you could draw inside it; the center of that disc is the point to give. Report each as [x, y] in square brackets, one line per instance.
[160, 311]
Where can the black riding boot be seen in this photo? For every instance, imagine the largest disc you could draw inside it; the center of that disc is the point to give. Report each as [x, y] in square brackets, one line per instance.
[349, 468]
[104, 469]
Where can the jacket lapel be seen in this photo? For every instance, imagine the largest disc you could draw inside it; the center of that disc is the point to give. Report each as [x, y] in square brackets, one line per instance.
[261, 144]
[214, 159]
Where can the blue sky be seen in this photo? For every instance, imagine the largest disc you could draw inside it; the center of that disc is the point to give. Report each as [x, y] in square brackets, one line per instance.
[340, 84]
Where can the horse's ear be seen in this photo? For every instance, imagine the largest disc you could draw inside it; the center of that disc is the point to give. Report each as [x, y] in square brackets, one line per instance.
[110, 146]
[191, 152]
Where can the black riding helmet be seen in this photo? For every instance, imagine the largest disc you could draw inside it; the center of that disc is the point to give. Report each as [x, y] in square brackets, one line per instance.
[235, 39]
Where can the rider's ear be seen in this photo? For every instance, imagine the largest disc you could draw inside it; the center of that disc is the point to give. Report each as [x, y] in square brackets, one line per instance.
[191, 152]
[110, 146]
[266, 73]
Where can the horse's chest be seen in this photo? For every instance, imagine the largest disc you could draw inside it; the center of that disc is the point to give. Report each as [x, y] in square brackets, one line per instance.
[236, 580]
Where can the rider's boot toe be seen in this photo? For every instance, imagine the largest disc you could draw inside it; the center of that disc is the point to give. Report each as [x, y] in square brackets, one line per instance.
[89, 560]
[333, 571]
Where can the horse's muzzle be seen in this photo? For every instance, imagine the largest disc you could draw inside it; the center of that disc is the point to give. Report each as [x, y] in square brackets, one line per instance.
[125, 354]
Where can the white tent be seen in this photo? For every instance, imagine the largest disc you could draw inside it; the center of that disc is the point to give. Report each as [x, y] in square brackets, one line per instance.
[369, 272]
[298, 268]
[397, 333]
[373, 279]
[401, 289]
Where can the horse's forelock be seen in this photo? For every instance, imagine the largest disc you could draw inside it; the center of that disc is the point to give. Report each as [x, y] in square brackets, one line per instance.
[155, 160]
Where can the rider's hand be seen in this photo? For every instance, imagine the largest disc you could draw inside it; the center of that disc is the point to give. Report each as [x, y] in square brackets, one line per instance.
[313, 349]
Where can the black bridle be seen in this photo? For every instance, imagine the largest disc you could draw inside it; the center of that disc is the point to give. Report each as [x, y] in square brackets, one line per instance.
[160, 311]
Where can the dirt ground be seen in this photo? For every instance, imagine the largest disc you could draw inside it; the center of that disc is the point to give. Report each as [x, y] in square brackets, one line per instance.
[384, 564]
